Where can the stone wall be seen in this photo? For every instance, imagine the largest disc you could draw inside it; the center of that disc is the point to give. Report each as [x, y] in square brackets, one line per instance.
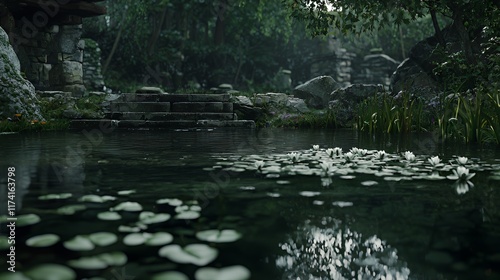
[376, 69]
[53, 58]
[333, 61]
[92, 76]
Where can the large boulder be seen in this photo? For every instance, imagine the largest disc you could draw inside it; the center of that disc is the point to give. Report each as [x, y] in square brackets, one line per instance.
[316, 92]
[415, 74]
[344, 102]
[17, 95]
[410, 77]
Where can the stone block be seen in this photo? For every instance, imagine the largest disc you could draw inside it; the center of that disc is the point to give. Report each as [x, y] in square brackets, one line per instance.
[69, 38]
[53, 29]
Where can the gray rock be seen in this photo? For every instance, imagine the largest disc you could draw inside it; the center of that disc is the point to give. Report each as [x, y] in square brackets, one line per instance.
[149, 90]
[225, 87]
[241, 100]
[17, 95]
[412, 78]
[298, 105]
[344, 102]
[271, 98]
[316, 92]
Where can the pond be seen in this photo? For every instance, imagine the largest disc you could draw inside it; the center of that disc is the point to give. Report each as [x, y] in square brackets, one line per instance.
[247, 204]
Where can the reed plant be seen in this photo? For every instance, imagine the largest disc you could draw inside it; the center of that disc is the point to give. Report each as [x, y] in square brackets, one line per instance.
[383, 113]
[472, 118]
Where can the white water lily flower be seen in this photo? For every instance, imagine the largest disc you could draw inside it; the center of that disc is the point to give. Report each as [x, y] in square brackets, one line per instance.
[294, 156]
[434, 160]
[362, 152]
[409, 156]
[349, 156]
[461, 173]
[259, 164]
[462, 160]
[354, 150]
[380, 154]
[326, 166]
[316, 147]
[337, 151]
[330, 152]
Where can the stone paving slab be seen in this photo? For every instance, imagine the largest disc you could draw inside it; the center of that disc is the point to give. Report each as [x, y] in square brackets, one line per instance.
[137, 97]
[107, 125]
[214, 107]
[157, 116]
[140, 106]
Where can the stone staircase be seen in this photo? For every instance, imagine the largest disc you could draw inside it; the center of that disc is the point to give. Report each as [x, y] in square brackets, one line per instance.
[164, 111]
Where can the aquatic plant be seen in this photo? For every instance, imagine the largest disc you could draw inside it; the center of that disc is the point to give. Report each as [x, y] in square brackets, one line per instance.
[461, 173]
[409, 156]
[462, 160]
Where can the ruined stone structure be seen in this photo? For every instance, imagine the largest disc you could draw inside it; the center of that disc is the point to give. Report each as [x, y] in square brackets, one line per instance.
[46, 36]
[334, 61]
[92, 76]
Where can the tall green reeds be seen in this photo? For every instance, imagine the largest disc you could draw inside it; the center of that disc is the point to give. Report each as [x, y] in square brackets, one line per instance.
[385, 114]
[471, 118]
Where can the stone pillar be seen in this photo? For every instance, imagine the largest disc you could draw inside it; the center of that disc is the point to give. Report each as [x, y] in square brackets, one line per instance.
[92, 76]
[67, 60]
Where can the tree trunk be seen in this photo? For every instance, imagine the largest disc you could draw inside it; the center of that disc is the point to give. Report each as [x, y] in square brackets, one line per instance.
[437, 29]
[115, 44]
[220, 23]
[458, 22]
[157, 32]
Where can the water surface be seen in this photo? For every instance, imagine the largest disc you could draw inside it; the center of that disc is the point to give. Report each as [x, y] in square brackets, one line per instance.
[292, 226]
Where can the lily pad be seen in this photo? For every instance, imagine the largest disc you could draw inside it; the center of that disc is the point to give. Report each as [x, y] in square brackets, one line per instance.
[79, 243]
[218, 236]
[197, 254]
[188, 215]
[127, 206]
[369, 183]
[96, 199]
[52, 272]
[55, 196]
[4, 242]
[27, 220]
[236, 272]
[109, 216]
[342, 203]
[150, 239]
[123, 228]
[170, 201]
[70, 209]
[100, 261]
[170, 275]
[309, 194]
[44, 240]
[103, 238]
[126, 192]
[147, 217]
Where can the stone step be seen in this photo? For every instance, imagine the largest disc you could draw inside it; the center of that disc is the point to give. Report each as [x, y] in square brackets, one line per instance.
[158, 116]
[140, 106]
[138, 97]
[215, 107]
[107, 125]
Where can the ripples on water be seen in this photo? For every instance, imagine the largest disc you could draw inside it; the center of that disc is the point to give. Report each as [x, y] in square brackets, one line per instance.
[293, 226]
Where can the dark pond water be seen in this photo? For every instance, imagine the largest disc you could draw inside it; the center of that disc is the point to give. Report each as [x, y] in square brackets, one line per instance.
[359, 218]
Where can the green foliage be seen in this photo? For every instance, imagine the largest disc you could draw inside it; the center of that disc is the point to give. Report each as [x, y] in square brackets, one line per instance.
[384, 114]
[471, 118]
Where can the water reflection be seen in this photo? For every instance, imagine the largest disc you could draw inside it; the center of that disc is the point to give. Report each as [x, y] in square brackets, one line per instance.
[334, 251]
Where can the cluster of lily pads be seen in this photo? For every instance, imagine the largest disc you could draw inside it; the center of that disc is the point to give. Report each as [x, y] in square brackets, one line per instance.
[131, 235]
[334, 162]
